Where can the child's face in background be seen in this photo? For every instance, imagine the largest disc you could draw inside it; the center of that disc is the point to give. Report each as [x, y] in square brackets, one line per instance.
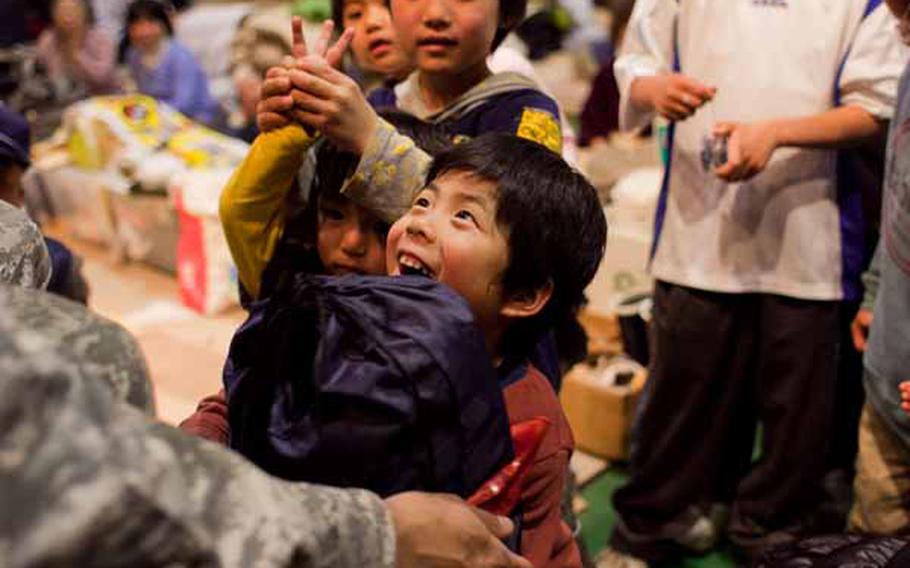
[146, 35]
[69, 15]
[375, 46]
[349, 239]
[450, 234]
[446, 36]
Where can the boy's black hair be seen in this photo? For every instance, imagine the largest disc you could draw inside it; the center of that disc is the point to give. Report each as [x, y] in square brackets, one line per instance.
[511, 13]
[551, 216]
[149, 10]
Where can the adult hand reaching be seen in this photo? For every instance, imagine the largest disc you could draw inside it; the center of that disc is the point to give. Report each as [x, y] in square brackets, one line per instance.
[436, 531]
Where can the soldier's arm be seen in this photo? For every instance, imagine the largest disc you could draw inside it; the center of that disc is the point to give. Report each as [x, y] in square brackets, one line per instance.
[89, 477]
[88, 480]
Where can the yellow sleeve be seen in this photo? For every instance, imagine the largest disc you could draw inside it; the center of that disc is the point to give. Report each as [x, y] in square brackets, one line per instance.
[252, 206]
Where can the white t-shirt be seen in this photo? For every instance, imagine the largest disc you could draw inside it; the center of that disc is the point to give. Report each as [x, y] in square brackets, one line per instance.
[783, 231]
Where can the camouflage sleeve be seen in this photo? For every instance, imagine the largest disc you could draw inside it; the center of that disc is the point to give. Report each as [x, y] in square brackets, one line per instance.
[88, 481]
[391, 171]
[24, 260]
[95, 346]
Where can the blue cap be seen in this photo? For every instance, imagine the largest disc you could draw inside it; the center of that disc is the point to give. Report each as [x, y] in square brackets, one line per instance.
[14, 136]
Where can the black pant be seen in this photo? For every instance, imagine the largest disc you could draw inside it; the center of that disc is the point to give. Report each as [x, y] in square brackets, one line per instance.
[721, 364]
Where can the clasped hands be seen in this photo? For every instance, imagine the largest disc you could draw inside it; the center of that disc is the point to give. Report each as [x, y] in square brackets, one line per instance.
[309, 88]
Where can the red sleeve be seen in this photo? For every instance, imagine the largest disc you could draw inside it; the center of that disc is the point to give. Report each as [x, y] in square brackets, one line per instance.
[210, 421]
[546, 539]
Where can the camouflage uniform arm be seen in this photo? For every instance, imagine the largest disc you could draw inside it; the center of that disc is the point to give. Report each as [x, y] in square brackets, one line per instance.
[89, 481]
[24, 259]
[392, 170]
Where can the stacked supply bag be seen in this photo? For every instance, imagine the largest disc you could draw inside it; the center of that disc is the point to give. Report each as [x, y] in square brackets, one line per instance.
[160, 175]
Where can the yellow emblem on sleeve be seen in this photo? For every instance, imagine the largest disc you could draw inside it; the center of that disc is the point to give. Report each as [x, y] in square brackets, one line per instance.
[541, 127]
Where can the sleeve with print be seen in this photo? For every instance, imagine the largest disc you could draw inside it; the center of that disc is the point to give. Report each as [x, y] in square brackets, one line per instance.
[873, 65]
[252, 206]
[647, 50]
[391, 171]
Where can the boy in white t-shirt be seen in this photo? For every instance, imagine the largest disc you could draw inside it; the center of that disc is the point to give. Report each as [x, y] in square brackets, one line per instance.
[752, 256]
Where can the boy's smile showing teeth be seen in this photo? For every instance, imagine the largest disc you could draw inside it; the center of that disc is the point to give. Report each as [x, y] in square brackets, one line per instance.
[410, 265]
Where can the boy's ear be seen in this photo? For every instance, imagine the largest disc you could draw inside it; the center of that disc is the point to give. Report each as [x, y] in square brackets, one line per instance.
[527, 303]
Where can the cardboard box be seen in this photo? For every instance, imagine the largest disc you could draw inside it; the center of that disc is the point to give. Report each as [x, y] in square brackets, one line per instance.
[600, 415]
[604, 334]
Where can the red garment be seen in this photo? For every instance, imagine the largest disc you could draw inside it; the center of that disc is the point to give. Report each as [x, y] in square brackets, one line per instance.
[210, 421]
[546, 539]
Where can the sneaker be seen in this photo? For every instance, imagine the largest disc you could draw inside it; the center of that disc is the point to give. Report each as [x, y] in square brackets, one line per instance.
[699, 537]
[692, 532]
[612, 558]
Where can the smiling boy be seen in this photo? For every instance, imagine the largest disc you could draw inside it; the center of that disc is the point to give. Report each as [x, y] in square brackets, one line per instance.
[476, 227]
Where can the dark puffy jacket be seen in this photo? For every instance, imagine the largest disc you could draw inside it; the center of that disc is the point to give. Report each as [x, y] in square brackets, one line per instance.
[838, 551]
[367, 381]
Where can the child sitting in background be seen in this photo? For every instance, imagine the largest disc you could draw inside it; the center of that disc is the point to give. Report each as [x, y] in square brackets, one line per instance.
[79, 57]
[163, 68]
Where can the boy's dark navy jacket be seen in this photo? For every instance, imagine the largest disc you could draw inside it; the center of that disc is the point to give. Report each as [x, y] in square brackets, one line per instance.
[368, 381]
[501, 108]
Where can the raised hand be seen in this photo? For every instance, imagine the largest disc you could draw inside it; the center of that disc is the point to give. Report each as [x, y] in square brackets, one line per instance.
[276, 102]
[331, 102]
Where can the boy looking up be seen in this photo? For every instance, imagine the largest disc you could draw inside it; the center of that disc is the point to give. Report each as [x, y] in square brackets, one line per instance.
[476, 227]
